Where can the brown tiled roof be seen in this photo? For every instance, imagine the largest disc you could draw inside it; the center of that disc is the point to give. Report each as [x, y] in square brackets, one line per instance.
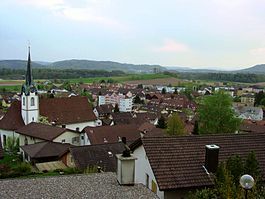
[111, 134]
[102, 155]
[253, 128]
[156, 132]
[45, 149]
[177, 162]
[67, 110]
[12, 120]
[105, 109]
[41, 131]
[146, 127]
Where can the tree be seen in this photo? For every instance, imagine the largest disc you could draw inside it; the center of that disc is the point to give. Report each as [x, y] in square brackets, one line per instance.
[196, 128]
[175, 126]
[12, 145]
[216, 115]
[227, 179]
[43, 120]
[252, 166]
[137, 100]
[140, 86]
[116, 108]
[161, 123]
[259, 97]
[163, 91]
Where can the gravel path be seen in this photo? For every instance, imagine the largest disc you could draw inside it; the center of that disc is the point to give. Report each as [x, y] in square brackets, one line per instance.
[103, 186]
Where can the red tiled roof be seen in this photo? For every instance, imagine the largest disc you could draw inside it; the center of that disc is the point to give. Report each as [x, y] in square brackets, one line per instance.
[41, 131]
[177, 162]
[12, 120]
[45, 149]
[67, 110]
[111, 134]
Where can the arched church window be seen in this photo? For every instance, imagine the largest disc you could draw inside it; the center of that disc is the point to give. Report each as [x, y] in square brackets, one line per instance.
[32, 101]
[23, 100]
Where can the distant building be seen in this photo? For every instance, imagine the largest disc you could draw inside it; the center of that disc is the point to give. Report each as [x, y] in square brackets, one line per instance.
[248, 99]
[125, 103]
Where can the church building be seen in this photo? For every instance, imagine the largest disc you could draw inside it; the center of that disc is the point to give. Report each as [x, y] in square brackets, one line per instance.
[73, 113]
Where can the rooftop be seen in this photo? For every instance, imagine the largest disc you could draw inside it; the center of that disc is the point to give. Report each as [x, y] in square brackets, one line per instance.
[169, 156]
[100, 185]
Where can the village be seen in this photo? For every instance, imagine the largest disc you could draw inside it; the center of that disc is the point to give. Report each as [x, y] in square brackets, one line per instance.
[91, 127]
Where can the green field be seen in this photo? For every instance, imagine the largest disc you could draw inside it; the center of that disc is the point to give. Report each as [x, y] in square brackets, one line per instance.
[120, 79]
[10, 88]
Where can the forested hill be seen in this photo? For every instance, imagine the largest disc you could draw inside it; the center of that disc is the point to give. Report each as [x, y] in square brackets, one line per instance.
[17, 64]
[82, 64]
[257, 69]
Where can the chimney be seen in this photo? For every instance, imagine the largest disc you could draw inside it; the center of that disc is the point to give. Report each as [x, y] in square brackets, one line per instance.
[211, 157]
[125, 166]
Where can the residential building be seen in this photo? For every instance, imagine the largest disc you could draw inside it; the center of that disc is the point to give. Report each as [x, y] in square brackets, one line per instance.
[250, 113]
[110, 134]
[36, 132]
[173, 166]
[45, 152]
[248, 99]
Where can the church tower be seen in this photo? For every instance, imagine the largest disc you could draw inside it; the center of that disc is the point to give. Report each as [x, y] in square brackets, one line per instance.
[29, 97]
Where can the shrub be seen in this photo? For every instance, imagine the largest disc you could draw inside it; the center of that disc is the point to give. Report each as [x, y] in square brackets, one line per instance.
[22, 169]
[71, 170]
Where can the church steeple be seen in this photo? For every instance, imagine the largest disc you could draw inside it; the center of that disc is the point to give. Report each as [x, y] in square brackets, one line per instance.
[29, 79]
[29, 97]
[29, 86]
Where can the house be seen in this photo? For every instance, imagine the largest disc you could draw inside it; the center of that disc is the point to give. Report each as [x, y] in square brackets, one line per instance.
[251, 128]
[71, 112]
[250, 113]
[110, 134]
[98, 155]
[11, 121]
[248, 99]
[36, 132]
[45, 152]
[103, 111]
[173, 166]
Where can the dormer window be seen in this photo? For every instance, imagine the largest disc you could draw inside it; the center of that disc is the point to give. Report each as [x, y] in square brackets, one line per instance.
[32, 101]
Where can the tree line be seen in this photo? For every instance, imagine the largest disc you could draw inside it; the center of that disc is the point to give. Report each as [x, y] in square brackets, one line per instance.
[236, 77]
[47, 73]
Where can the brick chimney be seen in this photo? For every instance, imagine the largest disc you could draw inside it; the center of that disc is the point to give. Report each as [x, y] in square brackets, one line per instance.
[211, 157]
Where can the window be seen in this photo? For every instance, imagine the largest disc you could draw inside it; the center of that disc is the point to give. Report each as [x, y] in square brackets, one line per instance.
[147, 180]
[4, 140]
[32, 119]
[26, 141]
[23, 100]
[154, 186]
[32, 101]
[63, 141]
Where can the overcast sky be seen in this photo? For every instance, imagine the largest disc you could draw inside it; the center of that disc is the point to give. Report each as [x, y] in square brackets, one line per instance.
[223, 34]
